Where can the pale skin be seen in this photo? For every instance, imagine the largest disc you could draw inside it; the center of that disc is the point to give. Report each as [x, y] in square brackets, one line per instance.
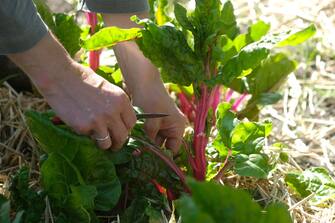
[94, 107]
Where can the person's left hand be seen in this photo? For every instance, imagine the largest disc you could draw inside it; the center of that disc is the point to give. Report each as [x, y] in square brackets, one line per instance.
[170, 129]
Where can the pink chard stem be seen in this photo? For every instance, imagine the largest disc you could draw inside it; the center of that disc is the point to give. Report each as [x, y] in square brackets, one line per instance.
[186, 106]
[229, 95]
[94, 56]
[239, 101]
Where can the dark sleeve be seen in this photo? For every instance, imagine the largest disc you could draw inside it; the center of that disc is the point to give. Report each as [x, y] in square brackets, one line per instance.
[20, 26]
[116, 6]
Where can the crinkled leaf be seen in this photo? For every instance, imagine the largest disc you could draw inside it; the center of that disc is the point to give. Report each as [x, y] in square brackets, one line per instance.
[73, 160]
[167, 48]
[110, 36]
[253, 165]
[212, 202]
[210, 20]
[315, 180]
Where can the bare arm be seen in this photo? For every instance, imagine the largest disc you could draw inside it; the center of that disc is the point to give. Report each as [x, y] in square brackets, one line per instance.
[84, 100]
[146, 87]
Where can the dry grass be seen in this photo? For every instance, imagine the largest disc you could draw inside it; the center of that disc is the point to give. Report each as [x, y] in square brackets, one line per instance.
[17, 147]
[304, 120]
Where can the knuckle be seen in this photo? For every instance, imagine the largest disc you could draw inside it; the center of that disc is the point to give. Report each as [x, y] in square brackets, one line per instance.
[124, 99]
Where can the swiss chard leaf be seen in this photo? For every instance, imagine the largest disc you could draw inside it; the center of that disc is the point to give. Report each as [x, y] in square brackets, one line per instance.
[70, 40]
[252, 55]
[215, 203]
[178, 63]
[315, 180]
[74, 161]
[263, 82]
[255, 32]
[254, 165]
[245, 140]
[110, 36]
[25, 199]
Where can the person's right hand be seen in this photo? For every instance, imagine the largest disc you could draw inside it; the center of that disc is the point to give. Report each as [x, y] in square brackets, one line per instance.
[81, 98]
[92, 106]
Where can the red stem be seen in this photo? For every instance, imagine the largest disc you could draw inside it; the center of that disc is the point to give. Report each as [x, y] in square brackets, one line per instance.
[239, 101]
[229, 95]
[94, 56]
[166, 160]
[186, 106]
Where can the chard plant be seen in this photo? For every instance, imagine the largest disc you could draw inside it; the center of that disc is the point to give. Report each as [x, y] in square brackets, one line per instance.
[204, 49]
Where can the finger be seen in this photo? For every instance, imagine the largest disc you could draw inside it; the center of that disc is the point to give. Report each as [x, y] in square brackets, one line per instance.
[151, 128]
[129, 118]
[102, 138]
[173, 144]
[119, 133]
[159, 140]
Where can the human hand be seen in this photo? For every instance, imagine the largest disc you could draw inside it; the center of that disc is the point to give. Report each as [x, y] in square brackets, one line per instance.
[155, 99]
[92, 106]
[82, 99]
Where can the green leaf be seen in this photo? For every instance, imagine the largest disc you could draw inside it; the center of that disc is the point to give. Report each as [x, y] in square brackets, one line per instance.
[253, 165]
[74, 160]
[45, 13]
[191, 213]
[68, 32]
[263, 82]
[210, 20]
[181, 16]
[81, 202]
[5, 212]
[252, 55]
[57, 176]
[167, 49]
[258, 30]
[110, 36]
[245, 139]
[161, 14]
[248, 137]
[255, 33]
[315, 180]
[225, 122]
[212, 202]
[25, 199]
[276, 213]
[299, 37]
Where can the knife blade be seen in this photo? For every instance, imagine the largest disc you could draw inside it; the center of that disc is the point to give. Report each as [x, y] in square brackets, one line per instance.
[150, 115]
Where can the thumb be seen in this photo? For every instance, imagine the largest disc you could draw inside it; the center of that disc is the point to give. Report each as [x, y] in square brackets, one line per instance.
[173, 144]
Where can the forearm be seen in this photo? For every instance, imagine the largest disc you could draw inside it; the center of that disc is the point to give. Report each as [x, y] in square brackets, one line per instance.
[44, 62]
[138, 72]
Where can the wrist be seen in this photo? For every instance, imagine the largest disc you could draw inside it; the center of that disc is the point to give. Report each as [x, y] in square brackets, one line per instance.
[45, 63]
